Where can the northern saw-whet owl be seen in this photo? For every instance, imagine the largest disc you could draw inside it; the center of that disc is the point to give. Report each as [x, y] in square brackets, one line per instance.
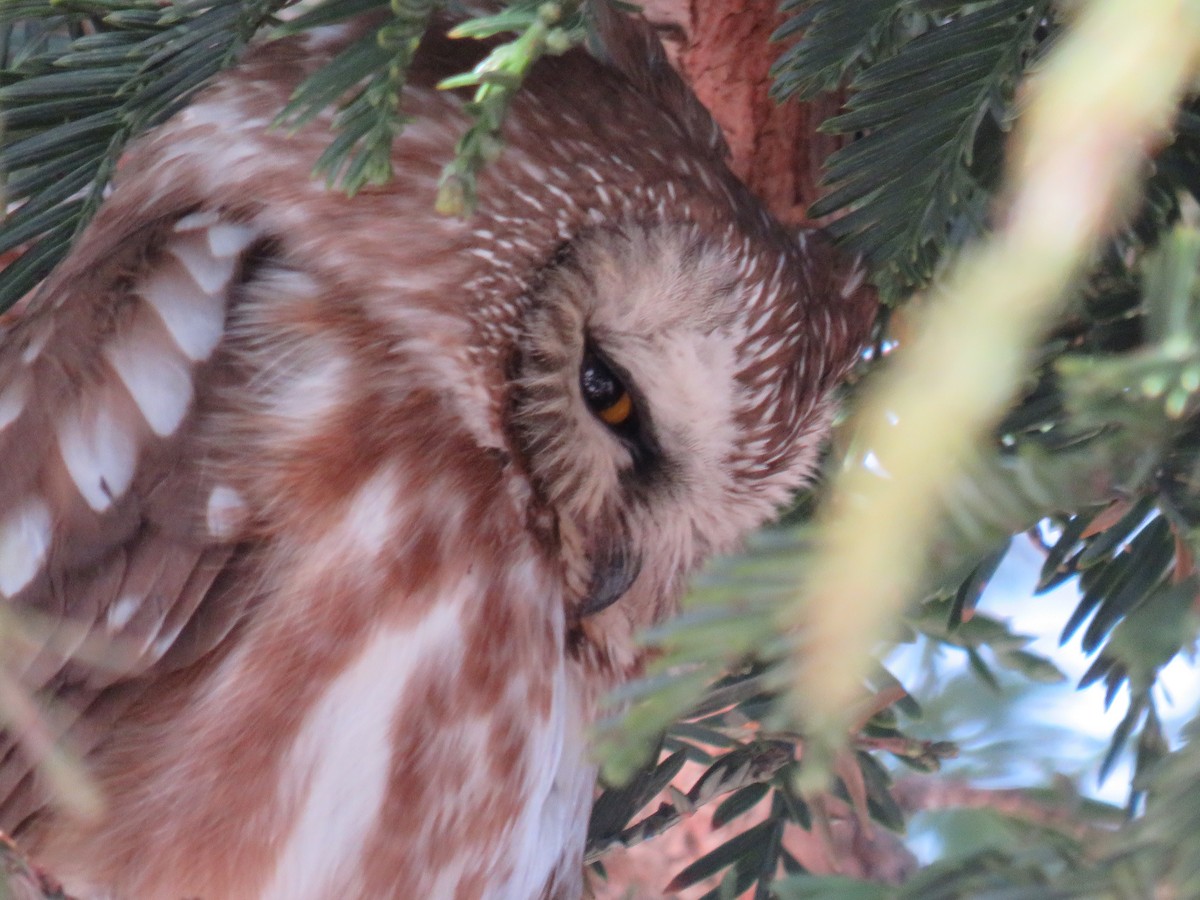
[360, 506]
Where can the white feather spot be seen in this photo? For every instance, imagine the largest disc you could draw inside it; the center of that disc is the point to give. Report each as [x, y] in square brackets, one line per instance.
[24, 541]
[342, 758]
[99, 453]
[164, 642]
[316, 39]
[211, 272]
[122, 612]
[36, 345]
[561, 195]
[213, 156]
[228, 239]
[225, 513]
[197, 221]
[195, 319]
[157, 378]
[854, 281]
[12, 400]
[312, 396]
[231, 119]
[370, 521]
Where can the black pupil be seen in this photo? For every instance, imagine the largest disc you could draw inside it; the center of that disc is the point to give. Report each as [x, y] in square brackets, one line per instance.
[600, 386]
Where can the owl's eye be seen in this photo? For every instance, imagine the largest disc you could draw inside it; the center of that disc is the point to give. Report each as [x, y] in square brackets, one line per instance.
[604, 393]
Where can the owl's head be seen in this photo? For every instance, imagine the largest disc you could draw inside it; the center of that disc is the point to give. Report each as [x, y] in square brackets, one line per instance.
[668, 397]
[653, 352]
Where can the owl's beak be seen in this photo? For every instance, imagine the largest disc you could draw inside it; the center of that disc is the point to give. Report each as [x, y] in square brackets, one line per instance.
[613, 572]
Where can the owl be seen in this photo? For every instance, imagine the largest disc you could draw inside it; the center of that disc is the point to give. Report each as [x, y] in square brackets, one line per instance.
[335, 518]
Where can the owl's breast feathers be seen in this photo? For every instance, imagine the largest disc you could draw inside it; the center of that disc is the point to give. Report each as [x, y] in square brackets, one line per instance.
[290, 587]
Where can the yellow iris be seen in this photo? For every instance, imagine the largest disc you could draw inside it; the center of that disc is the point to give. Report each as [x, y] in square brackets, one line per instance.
[618, 412]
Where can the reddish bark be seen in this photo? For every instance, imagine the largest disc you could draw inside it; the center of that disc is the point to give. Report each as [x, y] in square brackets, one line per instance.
[724, 50]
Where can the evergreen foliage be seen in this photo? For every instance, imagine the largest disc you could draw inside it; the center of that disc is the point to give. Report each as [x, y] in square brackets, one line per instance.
[932, 91]
[367, 123]
[79, 80]
[1101, 450]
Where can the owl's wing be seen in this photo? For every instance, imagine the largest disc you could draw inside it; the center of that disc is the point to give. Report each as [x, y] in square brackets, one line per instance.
[111, 530]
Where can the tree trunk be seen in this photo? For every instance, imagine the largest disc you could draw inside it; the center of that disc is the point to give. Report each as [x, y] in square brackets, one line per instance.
[724, 50]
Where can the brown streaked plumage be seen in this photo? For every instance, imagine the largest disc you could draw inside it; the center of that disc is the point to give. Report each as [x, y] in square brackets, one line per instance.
[319, 477]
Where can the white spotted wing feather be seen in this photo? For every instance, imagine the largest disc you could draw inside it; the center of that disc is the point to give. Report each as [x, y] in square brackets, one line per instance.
[101, 380]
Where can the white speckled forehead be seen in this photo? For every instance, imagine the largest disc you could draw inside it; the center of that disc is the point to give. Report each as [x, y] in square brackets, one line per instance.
[651, 282]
